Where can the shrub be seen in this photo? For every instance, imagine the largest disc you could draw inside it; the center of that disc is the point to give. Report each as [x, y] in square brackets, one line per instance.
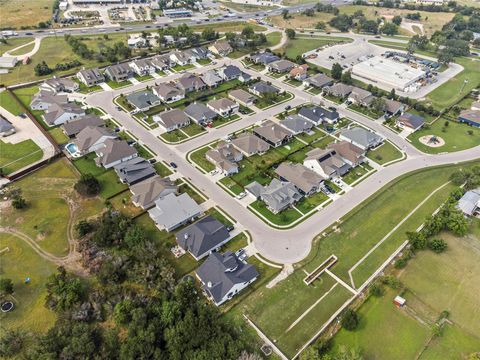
[350, 320]
[376, 289]
[19, 202]
[88, 185]
[6, 287]
[437, 245]
[83, 227]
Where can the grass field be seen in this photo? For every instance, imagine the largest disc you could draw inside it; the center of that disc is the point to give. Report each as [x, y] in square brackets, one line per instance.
[17, 13]
[384, 153]
[234, 26]
[456, 137]
[19, 262]
[246, 7]
[13, 157]
[273, 38]
[13, 43]
[302, 44]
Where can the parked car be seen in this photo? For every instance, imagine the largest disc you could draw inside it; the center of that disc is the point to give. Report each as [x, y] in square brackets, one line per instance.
[241, 195]
[173, 165]
[230, 228]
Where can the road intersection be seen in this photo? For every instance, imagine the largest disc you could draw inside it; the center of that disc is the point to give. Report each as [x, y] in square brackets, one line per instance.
[280, 246]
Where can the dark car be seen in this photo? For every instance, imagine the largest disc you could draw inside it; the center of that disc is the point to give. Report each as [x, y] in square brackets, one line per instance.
[173, 165]
[152, 161]
[29, 33]
[230, 228]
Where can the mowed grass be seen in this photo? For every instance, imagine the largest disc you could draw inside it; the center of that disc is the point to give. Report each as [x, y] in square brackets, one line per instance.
[273, 38]
[17, 13]
[18, 263]
[13, 43]
[302, 44]
[456, 136]
[385, 153]
[458, 87]
[14, 157]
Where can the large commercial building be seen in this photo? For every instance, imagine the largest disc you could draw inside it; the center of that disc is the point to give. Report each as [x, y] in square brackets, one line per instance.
[389, 74]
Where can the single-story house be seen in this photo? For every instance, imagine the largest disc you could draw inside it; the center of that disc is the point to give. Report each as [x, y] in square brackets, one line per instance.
[146, 192]
[317, 115]
[470, 117]
[411, 121]
[360, 96]
[182, 58]
[280, 66]
[161, 62]
[296, 124]
[136, 42]
[250, 144]
[338, 90]
[142, 67]
[203, 237]
[90, 77]
[73, 127]
[305, 180]
[318, 81]
[119, 72]
[229, 72]
[469, 203]
[190, 82]
[223, 106]
[221, 48]
[168, 93]
[393, 107]
[60, 85]
[43, 99]
[172, 211]
[299, 73]
[92, 138]
[327, 163]
[225, 158]
[172, 119]
[261, 88]
[264, 58]
[278, 195]
[113, 152]
[242, 97]
[58, 114]
[244, 77]
[225, 275]
[200, 114]
[273, 133]
[134, 170]
[211, 78]
[199, 52]
[349, 152]
[143, 100]
[361, 137]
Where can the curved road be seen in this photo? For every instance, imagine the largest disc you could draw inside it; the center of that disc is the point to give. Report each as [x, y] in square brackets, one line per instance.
[280, 246]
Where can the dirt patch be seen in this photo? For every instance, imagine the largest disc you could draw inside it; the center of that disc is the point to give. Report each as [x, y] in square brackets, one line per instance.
[19, 220]
[432, 141]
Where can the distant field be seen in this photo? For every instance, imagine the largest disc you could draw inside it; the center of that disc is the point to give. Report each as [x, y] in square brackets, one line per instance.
[246, 7]
[12, 43]
[17, 13]
[303, 43]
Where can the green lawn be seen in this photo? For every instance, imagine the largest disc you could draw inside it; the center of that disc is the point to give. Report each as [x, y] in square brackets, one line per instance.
[236, 243]
[273, 38]
[385, 153]
[178, 68]
[198, 157]
[143, 78]
[309, 203]
[13, 43]
[302, 44]
[123, 202]
[20, 262]
[162, 169]
[262, 103]
[231, 185]
[283, 218]
[193, 129]
[186, 188]
[59, 136]
[221, 121]
[365, 111]
[456, 88]
[354, 174]
[8, 103]
[14, 157]
[204, 61]
[456, 136]
[116, 85]
[173, 136]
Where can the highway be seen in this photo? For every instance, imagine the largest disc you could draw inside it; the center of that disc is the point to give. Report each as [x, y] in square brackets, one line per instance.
[281, 246]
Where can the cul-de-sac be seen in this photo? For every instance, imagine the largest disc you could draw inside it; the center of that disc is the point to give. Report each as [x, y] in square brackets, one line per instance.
[240, 179]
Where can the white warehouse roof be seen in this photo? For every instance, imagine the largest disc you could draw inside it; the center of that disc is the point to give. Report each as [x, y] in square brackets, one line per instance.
[389, 73]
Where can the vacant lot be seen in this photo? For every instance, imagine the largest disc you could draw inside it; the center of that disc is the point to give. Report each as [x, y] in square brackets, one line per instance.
[302, 44]
[13, 157]
[13, 43]
[17, 13]
[385, 153]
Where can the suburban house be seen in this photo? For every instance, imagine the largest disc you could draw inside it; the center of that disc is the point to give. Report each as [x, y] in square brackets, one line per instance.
[318, 81]
[393, 107]
[280, 66]
[43, 99]
[242, 97]
[273, 134]
[58, 114]
[172, 211]
[361, 137]
[203, 237]
[200, 114]
[113, 152]
[264, 58]
[142, 67]
[73, 127]
[299, 73]
[296, 124]
[223, 107]
[339, 90]
[278, 195]
[469, 204]
[199, 52]
[221, 48]
[360, 96]
[211, 78]
[118, 72]
[136, 42]
[229, 72]
[134, 170]
[327, 163]
[317, 115]
[182, 58]
[92, 138]
[146, 192]
[6, 128]
[143, 100]
[261, 88]
[305, 180]
[90, 77]
[168, 93]
[225, 275]
[225, 158]
[244, 77]
[250, 144]
[190, 82]
[60, 85]
[411, 121]
[172, 119]
[352, 154]
[470, 117]
[161, 62]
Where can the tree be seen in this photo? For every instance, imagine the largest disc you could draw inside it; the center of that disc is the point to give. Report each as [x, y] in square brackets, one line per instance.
[88, 185]
[290, 33]
[209, 34]
[248, 32]
[392, 94]
[337, 71]
[6, 287]
[457, 223]
[389, 29]
[285, 14]
[342, 22]
[417, 240]
[376, 289]
[18, 202]
[83, 227]
[347, 77]
[378, 104]
[437, 245]
[321, 25]
[63, 290]
[42, 69]
[397, 20]
[11, 342]
[349, 320]
[445, 57]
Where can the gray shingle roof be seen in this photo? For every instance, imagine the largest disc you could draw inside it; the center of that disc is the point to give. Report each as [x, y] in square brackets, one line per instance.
[199, 112]
[143, 99]
[362, 137]
[72, 128]
[296, 124]
[134, 170]
[147, 191]
[171, 211]
[277, 195]
[114, 150]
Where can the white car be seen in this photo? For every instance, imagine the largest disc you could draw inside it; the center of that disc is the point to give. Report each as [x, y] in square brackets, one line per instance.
[214, 172]
[241, 195]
